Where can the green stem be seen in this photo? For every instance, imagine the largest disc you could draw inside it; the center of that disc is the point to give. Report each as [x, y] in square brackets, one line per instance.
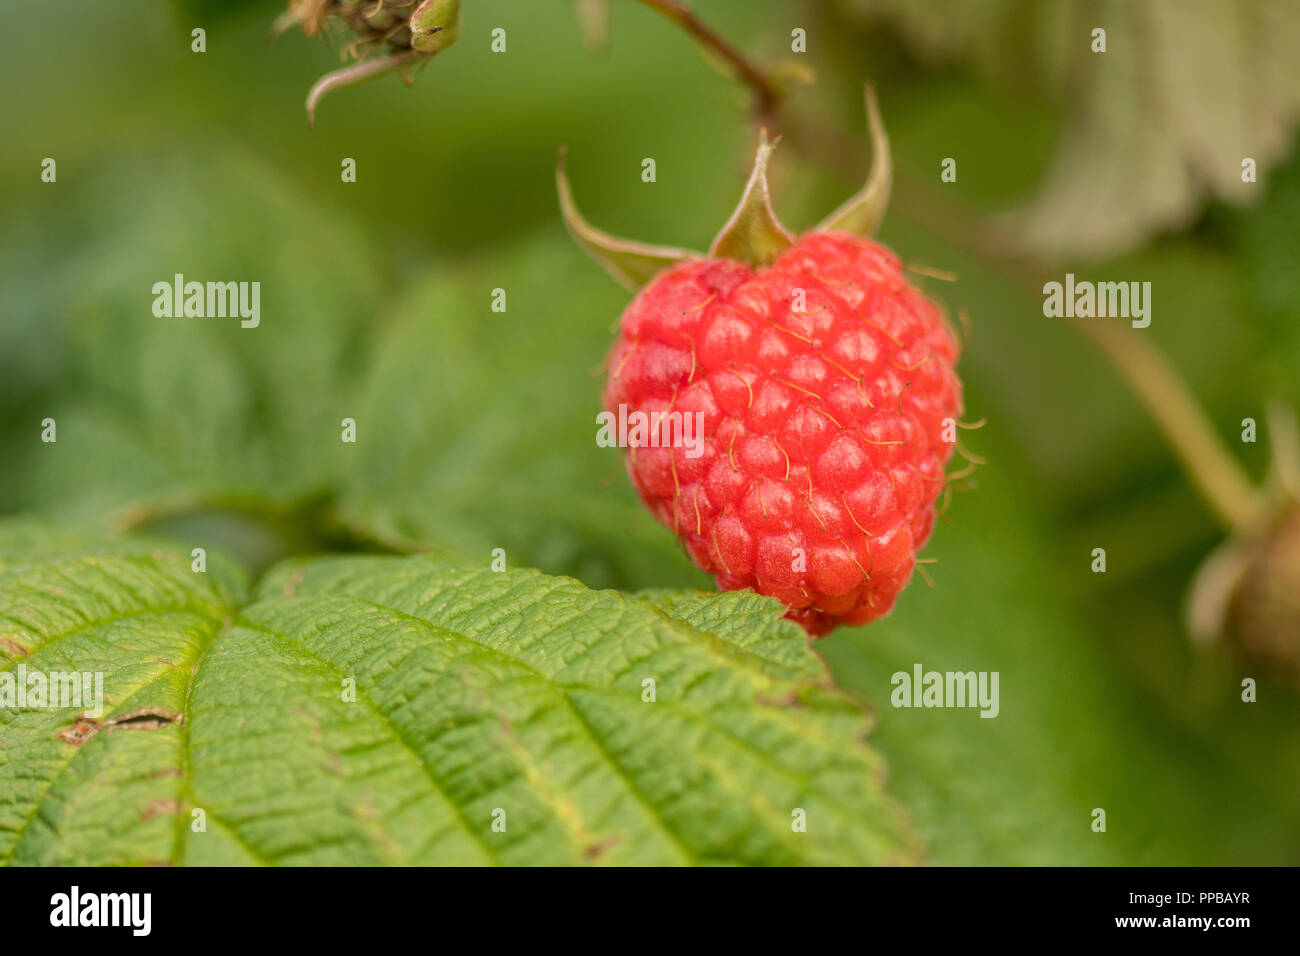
[767, 98]
[1213, 470]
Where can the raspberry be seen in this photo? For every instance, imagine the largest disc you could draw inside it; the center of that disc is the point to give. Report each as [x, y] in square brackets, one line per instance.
[823, 455]
[821, 383]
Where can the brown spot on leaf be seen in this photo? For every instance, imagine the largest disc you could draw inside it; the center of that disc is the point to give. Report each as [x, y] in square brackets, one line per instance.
[80, 732]
[295, 579]
[12, 648]
[146, 718]
[790, 699]
[158, 808]
[595, 850]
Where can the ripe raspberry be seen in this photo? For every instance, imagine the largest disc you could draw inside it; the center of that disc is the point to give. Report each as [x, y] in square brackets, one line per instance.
[823, 456]
[822, 383]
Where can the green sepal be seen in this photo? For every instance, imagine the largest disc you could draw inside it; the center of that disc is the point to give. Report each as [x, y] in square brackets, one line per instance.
[862, 213]
[631, 263]
[753, 234]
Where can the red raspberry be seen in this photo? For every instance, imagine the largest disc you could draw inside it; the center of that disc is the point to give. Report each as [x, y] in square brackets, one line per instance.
[823, 388]
[823, 451]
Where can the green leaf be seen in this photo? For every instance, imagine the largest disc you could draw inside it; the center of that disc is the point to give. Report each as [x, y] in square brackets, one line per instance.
[477, 694]
[139, 616]
[159, 414]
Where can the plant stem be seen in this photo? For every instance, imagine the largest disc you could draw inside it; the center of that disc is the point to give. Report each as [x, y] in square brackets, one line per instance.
[767, 98]
[1206, 459]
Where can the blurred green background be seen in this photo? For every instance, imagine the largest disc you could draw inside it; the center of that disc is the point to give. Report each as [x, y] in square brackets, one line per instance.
[475, 428]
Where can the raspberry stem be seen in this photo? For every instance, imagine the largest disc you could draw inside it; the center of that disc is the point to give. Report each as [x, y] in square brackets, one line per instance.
[1213, 470]
[767, 98]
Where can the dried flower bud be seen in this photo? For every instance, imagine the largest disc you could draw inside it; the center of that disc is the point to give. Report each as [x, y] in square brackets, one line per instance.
[387, 35]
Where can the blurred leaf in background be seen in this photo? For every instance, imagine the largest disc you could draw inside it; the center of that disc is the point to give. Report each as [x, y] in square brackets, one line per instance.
[1153, 125]
[1270, 245]
[174, 412]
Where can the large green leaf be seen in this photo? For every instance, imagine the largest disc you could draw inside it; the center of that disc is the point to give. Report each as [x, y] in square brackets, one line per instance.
[597, 728]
